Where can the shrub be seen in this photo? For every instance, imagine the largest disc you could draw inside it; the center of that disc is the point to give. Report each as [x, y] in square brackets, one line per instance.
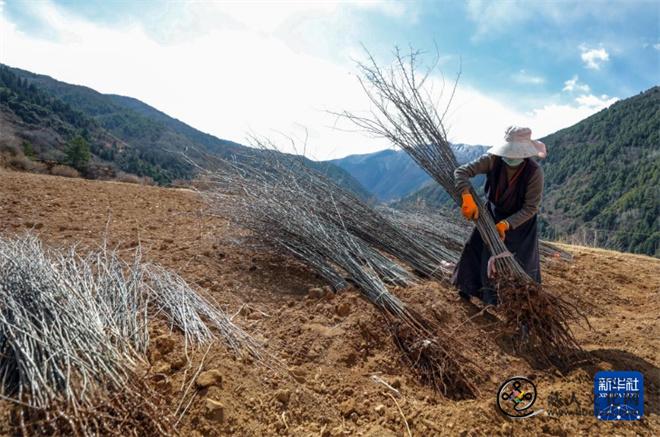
[9, 150]
[28, 150]
[130, 178]
[20, 162]
[182, 183]
[23, 163]
[64, 170]
[78, 153]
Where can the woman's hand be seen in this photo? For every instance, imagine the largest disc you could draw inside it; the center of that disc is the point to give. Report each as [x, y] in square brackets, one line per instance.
[469, 207]
[502, 227]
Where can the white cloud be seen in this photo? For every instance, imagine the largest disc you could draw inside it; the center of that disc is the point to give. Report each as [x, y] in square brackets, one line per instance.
[552, 117]
[584, 98]
[498, 17]
[527, 78]
[267, 18]
[593, 58]
[585, 102]
[574, 85]
[225, 82]
[597, 102]
[476, 118]
[230, 80]
[656, 46]
[492, 16]
[392, 8]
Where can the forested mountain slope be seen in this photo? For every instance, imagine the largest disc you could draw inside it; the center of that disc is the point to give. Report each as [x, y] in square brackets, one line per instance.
[391, 174]
[121, 131]
[602, 179]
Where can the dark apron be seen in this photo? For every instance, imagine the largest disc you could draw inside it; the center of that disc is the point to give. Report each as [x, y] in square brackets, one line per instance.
[504, 199]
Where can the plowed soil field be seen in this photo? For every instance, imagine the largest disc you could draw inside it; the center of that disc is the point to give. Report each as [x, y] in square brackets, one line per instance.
[345, 374]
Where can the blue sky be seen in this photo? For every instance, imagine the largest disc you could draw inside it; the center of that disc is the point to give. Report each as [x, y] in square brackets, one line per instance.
[228, 68]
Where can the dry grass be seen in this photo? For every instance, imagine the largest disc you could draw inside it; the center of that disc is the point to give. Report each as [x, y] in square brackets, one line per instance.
[64, 171]
[23, 163]
[131, 178]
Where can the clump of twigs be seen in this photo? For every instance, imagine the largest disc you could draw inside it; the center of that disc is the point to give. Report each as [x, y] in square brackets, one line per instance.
[438, 230]
[539, 319]
[297, 210]
[53, 335]
[135, 410]
[197, 317]
[444, 234]
[433, 360]
[346, 210]
[74, 331]
[404, 113]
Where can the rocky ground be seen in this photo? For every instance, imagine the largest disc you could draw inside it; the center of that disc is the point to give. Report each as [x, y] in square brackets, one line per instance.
[345, 375]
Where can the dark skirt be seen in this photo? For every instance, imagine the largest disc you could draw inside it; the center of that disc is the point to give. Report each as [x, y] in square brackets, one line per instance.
[470, 274]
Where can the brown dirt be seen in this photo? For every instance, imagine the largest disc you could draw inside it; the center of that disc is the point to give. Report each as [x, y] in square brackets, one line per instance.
[335, 345]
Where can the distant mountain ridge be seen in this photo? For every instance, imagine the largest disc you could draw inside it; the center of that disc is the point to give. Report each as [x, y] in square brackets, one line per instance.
[391, 175]
[122, 131]
[602, 174]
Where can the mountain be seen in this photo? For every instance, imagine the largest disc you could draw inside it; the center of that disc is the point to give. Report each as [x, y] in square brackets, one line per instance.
[602, 179]
[387, 174]
[391, 174]
[123, 133]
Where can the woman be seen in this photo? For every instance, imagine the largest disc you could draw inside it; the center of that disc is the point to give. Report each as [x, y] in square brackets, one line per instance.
[514, 187]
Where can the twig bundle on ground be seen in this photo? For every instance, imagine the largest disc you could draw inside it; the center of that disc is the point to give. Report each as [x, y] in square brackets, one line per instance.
[357, 216]
[404, 113]
[301, 212]
[74, 331]
[445, 234]
[198, 318]
[438, 230]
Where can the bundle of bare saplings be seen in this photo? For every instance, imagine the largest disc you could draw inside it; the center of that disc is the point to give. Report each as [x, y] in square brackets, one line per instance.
[404, 112]
[74, 332]
[299, 210]
[447, 240]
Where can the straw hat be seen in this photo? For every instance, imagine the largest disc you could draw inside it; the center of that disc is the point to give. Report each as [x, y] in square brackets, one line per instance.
[519, 144]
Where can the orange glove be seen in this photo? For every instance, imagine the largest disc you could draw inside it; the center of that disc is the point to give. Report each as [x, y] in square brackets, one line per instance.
[469, 208]
[502, 227]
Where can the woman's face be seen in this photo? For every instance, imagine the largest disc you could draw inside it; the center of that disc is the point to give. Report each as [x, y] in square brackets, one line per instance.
[512, 162]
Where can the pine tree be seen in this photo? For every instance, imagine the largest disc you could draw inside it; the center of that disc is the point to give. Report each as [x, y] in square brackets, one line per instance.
[28, 150]
[78, 153]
